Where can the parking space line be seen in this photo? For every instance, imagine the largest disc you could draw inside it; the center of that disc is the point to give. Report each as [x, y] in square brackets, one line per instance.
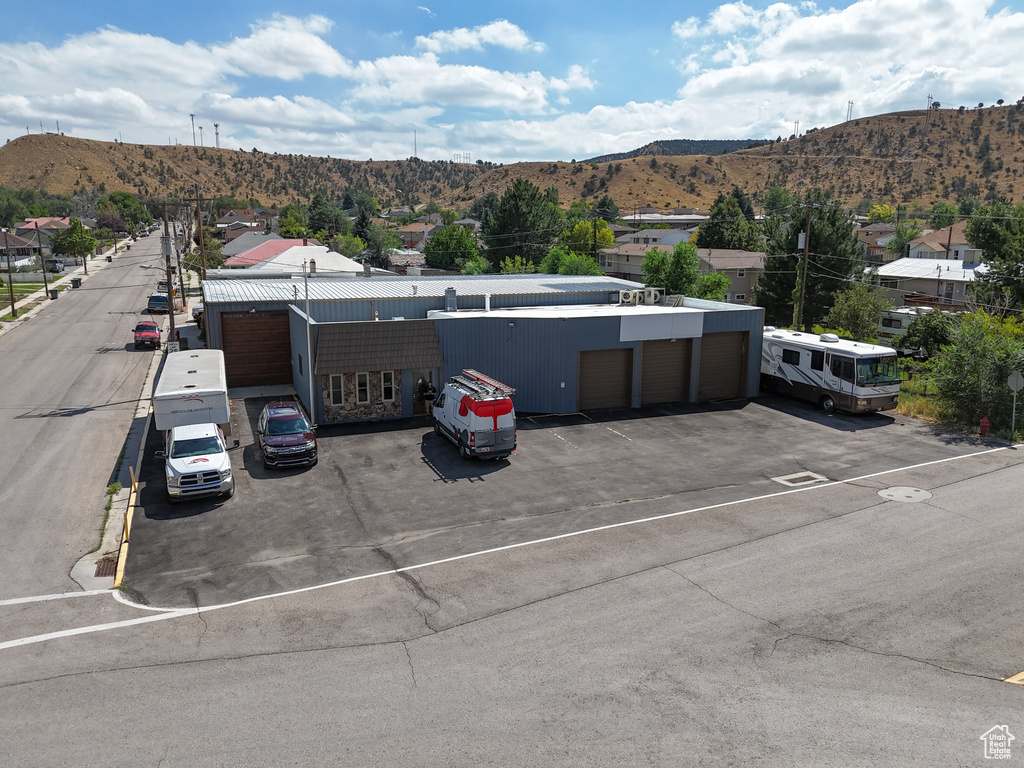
[56, 596]
[1018, 679]
[171, 613]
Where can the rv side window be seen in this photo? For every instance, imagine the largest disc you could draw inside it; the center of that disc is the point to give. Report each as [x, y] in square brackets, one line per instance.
[891, 322]
[842, 367]
[791, 356]
[817, 360]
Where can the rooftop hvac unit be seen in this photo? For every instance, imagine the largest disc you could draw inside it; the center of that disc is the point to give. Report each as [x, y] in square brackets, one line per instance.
[653, 295]
[631, 297]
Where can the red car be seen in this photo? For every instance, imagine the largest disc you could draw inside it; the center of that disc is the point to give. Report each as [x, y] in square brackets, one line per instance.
[147, 334]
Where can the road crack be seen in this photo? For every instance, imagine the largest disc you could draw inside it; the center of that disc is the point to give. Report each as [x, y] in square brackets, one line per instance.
[788, 634]
[415, 585]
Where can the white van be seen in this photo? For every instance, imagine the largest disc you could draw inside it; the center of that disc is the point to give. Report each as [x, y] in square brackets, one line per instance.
[476, 413]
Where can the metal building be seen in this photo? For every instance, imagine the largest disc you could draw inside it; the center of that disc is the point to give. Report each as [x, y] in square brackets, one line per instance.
[565, 342]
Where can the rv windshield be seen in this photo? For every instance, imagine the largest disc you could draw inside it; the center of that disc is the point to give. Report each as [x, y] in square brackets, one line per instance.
[872, 371]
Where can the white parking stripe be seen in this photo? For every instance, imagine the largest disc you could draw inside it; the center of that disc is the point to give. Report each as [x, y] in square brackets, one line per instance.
[173, 613]
[57, 596]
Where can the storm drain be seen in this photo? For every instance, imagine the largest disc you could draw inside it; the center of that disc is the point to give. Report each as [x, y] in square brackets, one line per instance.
[801, 478]
[903, 493]
[105, 568]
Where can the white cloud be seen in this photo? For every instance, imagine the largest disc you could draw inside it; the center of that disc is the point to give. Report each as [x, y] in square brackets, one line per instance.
[286, 48]
[502, 33]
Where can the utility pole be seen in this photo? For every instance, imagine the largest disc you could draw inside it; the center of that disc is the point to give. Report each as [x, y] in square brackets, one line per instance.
[193, 129]
[202, 243]
[181, 275]
[10, 276]
[165, 249]
[798, 313]
[42, 261]
[201, 136]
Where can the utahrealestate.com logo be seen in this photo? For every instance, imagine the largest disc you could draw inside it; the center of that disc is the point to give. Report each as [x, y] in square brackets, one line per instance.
[997, 742]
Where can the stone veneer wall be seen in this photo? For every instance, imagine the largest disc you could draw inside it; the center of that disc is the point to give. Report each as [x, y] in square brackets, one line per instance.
[350, 411]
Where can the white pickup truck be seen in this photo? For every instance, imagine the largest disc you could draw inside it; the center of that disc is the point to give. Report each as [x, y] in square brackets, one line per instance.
[196, 462]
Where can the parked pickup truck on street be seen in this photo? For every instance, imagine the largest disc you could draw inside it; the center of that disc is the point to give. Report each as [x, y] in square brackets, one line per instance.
[147, 334]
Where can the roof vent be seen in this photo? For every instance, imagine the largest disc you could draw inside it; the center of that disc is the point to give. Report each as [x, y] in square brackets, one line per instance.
[830, 338]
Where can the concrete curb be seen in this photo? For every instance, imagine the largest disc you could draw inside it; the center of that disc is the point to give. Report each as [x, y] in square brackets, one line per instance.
[116, 532]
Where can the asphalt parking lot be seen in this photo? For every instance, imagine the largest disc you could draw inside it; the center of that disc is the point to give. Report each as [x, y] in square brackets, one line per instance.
[393, 494]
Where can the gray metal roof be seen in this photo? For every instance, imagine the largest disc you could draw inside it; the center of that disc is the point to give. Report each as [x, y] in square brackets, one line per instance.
[390, 345]
[361, 288]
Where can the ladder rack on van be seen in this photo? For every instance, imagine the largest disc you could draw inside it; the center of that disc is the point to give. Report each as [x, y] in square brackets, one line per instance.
[482, 384]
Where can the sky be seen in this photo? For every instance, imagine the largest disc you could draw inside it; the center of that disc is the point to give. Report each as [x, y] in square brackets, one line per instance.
[508, 82]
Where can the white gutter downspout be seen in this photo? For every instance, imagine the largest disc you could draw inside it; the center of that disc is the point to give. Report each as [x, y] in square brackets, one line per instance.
[487, 302]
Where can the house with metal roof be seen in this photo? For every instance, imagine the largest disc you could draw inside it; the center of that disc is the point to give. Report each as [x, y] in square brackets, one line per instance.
[938, 282]
[357, 349]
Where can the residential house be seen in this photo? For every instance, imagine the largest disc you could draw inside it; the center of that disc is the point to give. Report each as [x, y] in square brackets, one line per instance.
[318, 259]
[922, 281]
[741, 267]
[624, 261]
[946, 243]
[415, 236]
[239, 219]
[666, 237]
[22, 252]
[265, 250]
[247, 240]
[873, 239]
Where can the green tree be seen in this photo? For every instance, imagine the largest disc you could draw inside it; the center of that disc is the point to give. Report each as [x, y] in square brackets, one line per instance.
[484, 207]
[327, 217]
[607, 209]
[578, 264]
[834, 260]
[517, 265]
[588, 237]
[476, 266]
[728, 227]
[74, 241]
[777, 201]
[998, 230]
[292, 222]
[130, 209]
[12, 210]
[743, 201]
[882, 212]
[348, 245]
[928, 332]
[902, 236]
[449, 216]
[857, 309]
[943, 215]
[971, 370]
[450, 247]
[380, 241]
[524, 223]
[680, 272]
[551, 261]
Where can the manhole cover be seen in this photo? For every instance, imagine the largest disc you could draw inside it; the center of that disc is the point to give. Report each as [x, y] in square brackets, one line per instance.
[903, 493]
[801, 478]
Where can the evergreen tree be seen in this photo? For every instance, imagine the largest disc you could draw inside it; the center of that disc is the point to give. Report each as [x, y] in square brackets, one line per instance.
[523, 224]
[450, 248]
[728, 227]
[834, 260]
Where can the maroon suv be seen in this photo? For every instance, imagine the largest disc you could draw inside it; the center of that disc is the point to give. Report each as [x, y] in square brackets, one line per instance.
[285, 436]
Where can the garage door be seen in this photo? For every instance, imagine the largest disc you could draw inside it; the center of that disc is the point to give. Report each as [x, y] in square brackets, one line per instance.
[723, 358]
[605, 379]
[257, 348]
[665, 372]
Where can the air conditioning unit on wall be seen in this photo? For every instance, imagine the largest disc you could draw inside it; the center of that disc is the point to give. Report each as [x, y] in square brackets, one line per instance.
[631, 297]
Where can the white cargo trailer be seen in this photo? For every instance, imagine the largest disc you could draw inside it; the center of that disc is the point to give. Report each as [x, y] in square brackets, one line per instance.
[192, 389]
[838, 374]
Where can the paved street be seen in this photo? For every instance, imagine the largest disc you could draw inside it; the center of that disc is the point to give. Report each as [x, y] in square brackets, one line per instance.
[866, 622]
[71, 380]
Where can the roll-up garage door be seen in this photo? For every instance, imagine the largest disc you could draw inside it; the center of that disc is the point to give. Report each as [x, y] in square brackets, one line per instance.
[605, 379]
[257, 348]
[723, 358]
[665, 372]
